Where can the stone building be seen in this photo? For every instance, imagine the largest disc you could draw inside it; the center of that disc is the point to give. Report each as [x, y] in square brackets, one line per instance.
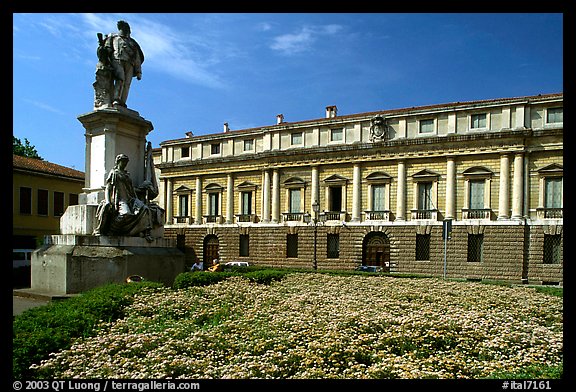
[375, 189]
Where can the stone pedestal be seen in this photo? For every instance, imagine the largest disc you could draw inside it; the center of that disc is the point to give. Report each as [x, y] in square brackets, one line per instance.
[71, 264]
[110, 132]
[76, 260]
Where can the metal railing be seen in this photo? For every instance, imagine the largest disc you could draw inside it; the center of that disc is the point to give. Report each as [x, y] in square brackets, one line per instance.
[550, 213]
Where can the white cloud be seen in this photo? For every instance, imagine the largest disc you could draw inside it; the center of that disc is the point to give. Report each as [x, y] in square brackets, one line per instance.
[303, 40]
[44, 106]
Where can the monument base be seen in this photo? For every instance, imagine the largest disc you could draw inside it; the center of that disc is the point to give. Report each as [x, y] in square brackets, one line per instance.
[71, 264]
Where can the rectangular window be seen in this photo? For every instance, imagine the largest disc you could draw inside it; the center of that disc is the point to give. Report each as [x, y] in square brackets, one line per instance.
[249, 145]
[292, 245]
[58, 203]
[244, 245]
[246, 203]
[426, 126]
[73, 199]
[478, 121]
[333, 246]
[554, 115]
[422, 247]
[553, 192]
[552, 249]
[296, 139]
[25, 200]
[336, 135]
[185, 152]
[213, 207]
[215, 149]
[42, 202]
[475, 245]
[476, 194]
[425, 195]
[183, 205]
[378, 197]
[294, 200]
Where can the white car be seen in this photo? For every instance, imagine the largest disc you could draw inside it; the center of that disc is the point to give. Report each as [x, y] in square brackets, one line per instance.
[237, 264]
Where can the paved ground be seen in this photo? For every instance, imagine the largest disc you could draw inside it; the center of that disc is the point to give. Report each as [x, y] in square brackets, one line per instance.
[21, 303]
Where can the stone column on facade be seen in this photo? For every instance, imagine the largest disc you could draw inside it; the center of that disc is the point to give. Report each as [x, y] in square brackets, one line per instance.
[401, 192]
[315, 187]
[198, 204]
[450, 188]
[169, 190]
[504, 194]
[356, 194]
[266, 197]
[518, 187]
[275, 196]
[230, 198]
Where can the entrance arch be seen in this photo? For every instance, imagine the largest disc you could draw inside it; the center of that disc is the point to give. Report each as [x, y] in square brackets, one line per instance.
[376, 250]
[211, 250]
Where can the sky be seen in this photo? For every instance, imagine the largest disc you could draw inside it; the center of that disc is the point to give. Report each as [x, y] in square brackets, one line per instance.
[202, 70]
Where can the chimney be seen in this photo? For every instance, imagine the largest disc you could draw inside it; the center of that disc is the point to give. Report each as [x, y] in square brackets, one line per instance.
[279, 118]
[189, 134]
[226, 129]
[331, 111]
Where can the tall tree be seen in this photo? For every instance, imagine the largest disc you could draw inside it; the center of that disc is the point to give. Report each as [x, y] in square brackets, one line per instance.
[25, 150]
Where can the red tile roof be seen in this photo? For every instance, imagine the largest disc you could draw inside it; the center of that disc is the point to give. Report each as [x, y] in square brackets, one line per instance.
[40, 166]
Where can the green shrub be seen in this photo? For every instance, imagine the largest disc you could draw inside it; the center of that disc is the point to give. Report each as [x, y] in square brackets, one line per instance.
[265, 276]
[42, 330]
[200, 278]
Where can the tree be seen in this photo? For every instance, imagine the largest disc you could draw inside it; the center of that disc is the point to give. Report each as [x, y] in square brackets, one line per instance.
[25, 150]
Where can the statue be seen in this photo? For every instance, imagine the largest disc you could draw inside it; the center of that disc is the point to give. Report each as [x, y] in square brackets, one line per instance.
[126, 210]
[378, 129]
[120, 59]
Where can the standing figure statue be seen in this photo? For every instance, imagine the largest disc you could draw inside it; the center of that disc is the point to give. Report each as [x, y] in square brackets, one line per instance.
[126, 210]
[120, 59]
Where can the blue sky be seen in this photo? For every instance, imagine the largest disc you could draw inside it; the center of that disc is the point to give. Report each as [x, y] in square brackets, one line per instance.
[202, 70]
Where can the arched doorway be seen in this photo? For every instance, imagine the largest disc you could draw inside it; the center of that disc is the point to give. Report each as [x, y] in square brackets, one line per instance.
[211, 250]
[376, 250]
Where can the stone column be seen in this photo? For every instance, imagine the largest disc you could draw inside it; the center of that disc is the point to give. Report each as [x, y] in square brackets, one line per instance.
[518, 187]
[356, 194]
[266, 197]
[198, 204]
[503, 192]
[230, 199]
[401, 192]
[169, 209]
[450, 188]
[315, 187]
[275, 196]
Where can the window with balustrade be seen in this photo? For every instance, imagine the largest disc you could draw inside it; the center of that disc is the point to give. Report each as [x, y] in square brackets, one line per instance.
[551, 203]
[477, 196]
[378, 196]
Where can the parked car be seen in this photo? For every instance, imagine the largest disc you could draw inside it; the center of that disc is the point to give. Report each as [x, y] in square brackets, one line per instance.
[237, 264]
[369, 268]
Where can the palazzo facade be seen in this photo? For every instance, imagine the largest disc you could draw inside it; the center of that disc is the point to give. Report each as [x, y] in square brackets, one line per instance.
[376, 188]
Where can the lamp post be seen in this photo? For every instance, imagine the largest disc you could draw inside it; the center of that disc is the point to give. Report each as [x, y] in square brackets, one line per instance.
[316, 209]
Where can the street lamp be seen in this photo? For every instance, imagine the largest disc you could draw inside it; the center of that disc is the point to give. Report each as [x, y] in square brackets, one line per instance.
[316, 209]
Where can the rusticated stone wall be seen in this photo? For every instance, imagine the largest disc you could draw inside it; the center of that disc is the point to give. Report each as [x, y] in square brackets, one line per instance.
[509, 252]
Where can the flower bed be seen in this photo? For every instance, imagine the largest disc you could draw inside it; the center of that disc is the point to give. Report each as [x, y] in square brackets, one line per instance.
[321, 326]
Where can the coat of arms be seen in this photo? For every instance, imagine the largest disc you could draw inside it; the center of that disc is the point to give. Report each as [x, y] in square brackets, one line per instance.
[378, 129]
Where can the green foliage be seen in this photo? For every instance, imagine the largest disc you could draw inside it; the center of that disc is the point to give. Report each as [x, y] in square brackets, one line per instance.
[25, 150]
[532, 372]
[199, 278]
[39, 331]
[204, 278]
